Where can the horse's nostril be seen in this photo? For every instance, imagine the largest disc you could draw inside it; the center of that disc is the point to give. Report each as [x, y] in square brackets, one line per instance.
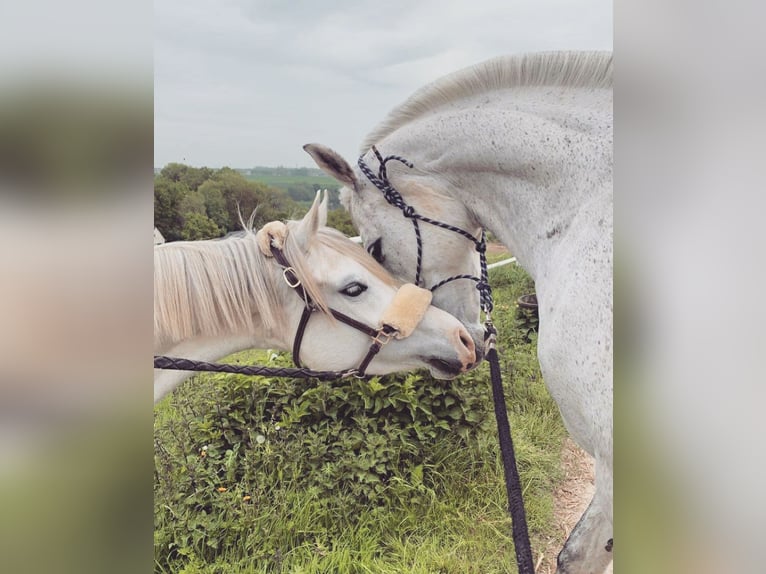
[469, 350]
[465, 340]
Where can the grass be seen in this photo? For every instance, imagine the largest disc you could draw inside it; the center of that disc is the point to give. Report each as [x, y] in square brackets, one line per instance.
[443, 511]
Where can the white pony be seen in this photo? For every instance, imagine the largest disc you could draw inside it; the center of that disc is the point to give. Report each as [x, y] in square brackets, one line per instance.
[520, 146]
[214, 298]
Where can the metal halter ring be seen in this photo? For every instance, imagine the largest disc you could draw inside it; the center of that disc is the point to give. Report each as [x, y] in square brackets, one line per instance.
[383, 337]
[287, 279]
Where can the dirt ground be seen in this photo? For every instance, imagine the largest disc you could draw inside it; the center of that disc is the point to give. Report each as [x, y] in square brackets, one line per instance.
[571, 499]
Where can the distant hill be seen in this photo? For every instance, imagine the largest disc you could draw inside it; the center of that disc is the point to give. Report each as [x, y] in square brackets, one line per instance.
[285, 176]
[281, 171]
[300, 183]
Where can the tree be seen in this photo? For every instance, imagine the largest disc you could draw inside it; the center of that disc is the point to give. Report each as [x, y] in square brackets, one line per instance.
[301, 192]
[215, 204]
[173, 172]
[199, 226]
[243, 196]
[193, 202]
[197, 203]
[168, 218]
[333, 201]
[341, 220]
[192, 177]
[239, 195]
[274, 205]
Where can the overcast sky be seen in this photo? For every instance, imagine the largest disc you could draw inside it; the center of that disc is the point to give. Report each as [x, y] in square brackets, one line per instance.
[248, 82]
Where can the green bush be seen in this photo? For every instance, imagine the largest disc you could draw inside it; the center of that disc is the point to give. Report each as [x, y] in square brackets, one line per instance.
[280, 475]
[353, 440]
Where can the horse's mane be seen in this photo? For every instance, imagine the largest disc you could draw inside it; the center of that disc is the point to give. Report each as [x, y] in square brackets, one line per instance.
[573, 69]
[217, 287]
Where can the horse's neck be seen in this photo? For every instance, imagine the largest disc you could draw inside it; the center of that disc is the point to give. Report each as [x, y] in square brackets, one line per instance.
[526, 170]
[206, 342]
[211, 348]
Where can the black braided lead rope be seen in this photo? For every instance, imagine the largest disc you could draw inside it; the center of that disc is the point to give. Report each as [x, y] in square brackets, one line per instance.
[173, 363]
[520, 530]
[513, 490]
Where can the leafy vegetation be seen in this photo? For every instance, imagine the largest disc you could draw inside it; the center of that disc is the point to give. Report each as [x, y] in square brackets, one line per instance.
[393, 474]
[201, 203]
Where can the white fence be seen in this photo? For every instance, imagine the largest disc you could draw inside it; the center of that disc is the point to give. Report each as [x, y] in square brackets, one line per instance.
[501, 263]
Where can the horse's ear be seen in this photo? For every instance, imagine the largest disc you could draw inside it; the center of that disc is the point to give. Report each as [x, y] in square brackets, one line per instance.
[322, 214]
[308, 226]
[330, 162]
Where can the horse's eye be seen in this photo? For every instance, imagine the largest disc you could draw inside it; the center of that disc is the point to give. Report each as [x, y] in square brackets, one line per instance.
[376, 250]
[353, 289]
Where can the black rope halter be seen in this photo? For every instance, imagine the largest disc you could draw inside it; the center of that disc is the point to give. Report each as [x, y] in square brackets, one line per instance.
[381, 181]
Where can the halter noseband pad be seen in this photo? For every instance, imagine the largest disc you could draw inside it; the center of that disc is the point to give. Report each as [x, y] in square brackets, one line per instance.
[407, 309]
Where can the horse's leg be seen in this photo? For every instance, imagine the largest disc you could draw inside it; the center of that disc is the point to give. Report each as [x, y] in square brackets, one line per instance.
[588, 550]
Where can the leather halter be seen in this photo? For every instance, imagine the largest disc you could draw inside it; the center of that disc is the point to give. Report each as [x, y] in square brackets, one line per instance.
[379, 336]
